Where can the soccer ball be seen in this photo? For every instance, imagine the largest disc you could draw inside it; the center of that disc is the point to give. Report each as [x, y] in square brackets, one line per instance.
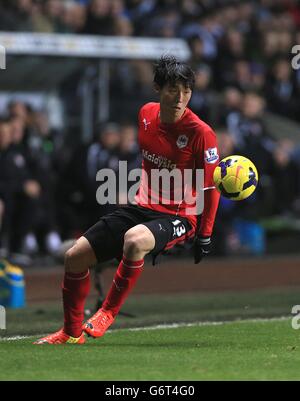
[235, 177]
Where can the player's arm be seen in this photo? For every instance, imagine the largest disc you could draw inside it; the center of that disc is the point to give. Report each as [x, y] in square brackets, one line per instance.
[211, 203]
[207, 157]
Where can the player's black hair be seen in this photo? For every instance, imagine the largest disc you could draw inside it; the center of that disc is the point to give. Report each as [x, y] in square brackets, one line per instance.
[168, 70]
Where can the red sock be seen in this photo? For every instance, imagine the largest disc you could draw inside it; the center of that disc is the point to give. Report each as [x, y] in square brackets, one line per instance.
[124, 280]
[75, 290]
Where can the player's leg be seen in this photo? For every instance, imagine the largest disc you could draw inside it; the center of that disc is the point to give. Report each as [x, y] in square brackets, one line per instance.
[98, 244]
[79, 257]
[75, 289]
[76, 285]
[102, 242]
[154, 236]
[138, 242]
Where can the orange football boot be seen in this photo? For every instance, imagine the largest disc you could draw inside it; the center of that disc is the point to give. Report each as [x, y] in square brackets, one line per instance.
[60, 337]
[97, 325]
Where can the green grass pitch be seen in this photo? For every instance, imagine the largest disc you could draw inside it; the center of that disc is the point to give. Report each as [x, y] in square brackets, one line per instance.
[265, 349]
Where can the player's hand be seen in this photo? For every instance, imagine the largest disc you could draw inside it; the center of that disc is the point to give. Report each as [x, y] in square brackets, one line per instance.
[202, 247]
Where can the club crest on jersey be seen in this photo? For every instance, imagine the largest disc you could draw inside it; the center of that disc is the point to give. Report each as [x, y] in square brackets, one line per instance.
[211, 155]
[182, 141]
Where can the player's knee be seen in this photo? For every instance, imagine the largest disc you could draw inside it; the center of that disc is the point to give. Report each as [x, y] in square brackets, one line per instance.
[75, 259]
[138, 239]
[72, 259]
[80, 256]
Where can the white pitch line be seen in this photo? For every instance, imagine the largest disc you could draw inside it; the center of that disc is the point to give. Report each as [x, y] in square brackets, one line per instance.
[165, 326]
[199, 324]
[17, 338]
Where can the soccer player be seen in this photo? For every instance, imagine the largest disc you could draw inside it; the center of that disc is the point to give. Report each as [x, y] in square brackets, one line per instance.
[170, 136]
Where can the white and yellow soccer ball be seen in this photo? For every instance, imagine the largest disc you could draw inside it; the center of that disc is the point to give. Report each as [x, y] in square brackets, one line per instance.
[236, 177]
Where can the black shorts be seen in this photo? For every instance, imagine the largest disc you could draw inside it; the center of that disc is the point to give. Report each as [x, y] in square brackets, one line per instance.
[107, 236]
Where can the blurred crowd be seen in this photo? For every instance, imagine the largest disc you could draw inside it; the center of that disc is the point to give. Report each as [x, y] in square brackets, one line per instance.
[246, 44]
[241, 54]
[45, 195]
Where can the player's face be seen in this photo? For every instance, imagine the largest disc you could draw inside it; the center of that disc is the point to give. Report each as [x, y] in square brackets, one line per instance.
[174, 100]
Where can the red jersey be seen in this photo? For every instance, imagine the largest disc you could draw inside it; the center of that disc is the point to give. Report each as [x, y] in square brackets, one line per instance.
[187, 144]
